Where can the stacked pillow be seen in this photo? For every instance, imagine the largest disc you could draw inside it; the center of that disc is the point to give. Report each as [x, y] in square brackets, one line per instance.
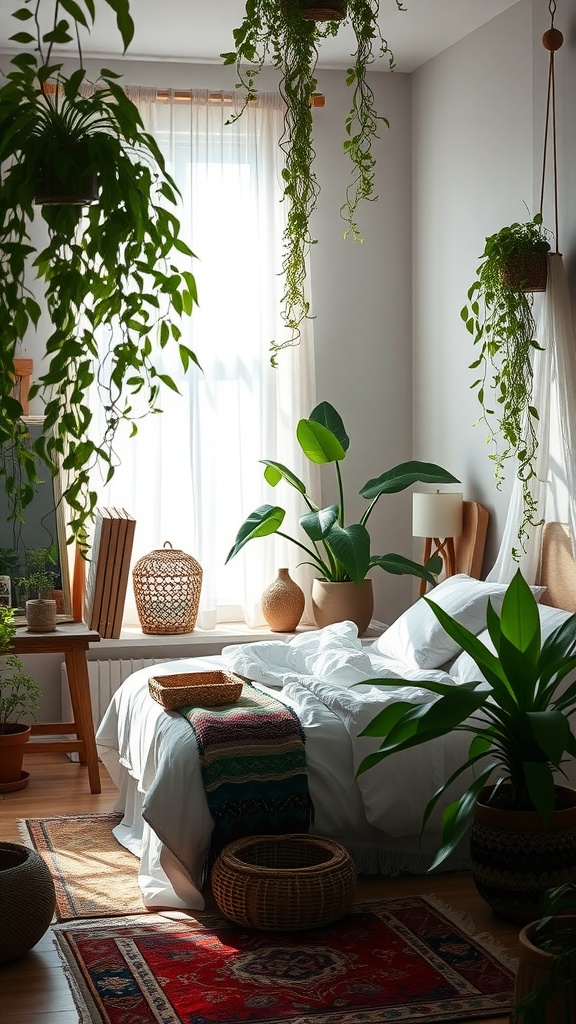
[417, 638]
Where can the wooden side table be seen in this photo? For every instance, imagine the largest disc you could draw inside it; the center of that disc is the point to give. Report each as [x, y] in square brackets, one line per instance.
[72, 639]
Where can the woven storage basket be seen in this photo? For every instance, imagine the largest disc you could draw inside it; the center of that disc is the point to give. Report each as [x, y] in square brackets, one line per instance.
[201, 689]
[284, 883]
[27, 900]
[167, 586]
[527, 273]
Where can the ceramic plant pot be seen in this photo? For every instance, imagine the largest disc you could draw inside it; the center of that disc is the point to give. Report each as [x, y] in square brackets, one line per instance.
[283, 603]
[41, 615]
[516, 858]
[537, 970]
[12, 747]
[337, 602]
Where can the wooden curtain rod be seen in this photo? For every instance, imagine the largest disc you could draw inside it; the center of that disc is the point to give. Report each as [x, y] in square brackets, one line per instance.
[182, 96]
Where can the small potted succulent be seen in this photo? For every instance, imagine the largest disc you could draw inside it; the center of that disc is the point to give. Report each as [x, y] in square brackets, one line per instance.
[340, 554]
[499, 316]
[19, 697]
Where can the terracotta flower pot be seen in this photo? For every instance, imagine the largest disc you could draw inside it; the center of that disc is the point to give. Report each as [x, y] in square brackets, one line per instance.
[538, 969]
[337, 602]
[516, 857]
[12, 746]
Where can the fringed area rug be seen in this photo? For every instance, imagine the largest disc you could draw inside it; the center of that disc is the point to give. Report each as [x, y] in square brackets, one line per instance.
[390, 960]
[94, 876]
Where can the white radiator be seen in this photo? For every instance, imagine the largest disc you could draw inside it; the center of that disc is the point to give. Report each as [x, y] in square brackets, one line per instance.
[105, 678]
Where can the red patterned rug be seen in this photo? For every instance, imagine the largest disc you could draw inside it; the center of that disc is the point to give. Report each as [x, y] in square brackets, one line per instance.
[390, 960]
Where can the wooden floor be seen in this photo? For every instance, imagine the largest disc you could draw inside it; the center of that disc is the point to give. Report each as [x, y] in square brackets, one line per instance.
[33, 990]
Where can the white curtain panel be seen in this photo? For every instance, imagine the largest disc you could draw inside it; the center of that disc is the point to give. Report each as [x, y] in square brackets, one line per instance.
[192, 474]
[554, 388]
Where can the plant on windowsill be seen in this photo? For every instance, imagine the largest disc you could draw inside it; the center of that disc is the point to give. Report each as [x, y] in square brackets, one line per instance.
[499, 316]
[19, 696]
[339, 553]
[517, 713]
[110, 272]
[38, 585]
[545, 990]
[287, 35]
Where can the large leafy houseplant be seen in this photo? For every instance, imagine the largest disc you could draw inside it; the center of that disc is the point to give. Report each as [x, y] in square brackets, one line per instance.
[516, 712]
[287, 35]
[339, 553]
[499, 316]
[114, 276]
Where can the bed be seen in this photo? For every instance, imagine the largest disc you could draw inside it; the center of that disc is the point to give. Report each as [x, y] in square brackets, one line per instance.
[152, 754]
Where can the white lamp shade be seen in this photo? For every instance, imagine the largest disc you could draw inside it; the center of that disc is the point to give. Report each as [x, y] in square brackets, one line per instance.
[437, 515]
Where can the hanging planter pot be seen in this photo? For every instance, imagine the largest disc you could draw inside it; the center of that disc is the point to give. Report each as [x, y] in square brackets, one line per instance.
[64, 181]
[528, 273]
[334, 11]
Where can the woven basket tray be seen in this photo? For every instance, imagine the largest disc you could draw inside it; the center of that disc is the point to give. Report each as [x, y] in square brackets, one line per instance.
[203, 689]
[284, 883]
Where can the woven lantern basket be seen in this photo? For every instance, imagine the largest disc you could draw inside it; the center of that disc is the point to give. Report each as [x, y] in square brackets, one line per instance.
[285, 883]
[167, 585]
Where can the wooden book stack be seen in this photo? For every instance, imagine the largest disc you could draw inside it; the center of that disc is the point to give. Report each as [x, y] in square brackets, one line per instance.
[107, 576]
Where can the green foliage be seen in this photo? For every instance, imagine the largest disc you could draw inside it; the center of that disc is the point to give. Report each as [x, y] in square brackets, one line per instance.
[518, 718]
[555, 933]
[19, 694]
[110, 273]
[39, 580]
[277, 33]
[339, 553]
[500, 319]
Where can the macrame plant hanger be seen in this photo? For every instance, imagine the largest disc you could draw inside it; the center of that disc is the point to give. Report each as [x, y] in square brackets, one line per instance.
[551, 40]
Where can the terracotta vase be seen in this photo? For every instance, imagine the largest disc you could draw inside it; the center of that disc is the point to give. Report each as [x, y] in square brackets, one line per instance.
[41, 615]
[283, 603]
[537, 969]
[337, 602]
[12, 746]
[515, 857]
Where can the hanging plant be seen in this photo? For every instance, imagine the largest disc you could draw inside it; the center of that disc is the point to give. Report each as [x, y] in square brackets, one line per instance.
[284, 33]
[500, 318]
[108, 274]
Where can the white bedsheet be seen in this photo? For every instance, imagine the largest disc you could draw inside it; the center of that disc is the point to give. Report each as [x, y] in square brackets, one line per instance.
[152, 757]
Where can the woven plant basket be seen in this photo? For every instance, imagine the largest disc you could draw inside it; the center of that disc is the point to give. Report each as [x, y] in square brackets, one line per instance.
[200, 689]
[167, 585]
[27, 900]
[333, 11]
[527, 273]
[284, 883]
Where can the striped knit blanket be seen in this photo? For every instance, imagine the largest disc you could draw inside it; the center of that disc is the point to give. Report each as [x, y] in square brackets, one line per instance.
[253, 767]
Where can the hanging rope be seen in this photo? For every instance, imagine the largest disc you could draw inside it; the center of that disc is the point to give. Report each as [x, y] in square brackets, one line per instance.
[551, 40]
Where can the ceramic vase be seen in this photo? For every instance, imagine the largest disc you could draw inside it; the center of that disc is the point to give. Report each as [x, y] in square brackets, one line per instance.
[337, 602]
[283, 603]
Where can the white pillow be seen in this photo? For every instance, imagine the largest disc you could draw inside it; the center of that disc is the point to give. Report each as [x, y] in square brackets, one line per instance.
[418, 639]
[465, 668]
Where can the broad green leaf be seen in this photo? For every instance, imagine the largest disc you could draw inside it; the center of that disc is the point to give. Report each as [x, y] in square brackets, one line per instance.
[541, 787]
[551, 731]
[318, 443]
[266, 519]
[404, 475]
[275, 472]
[326, 415]
[519, 618]
[318, 524]
[351, 547]
[398, 565]
[457, 817]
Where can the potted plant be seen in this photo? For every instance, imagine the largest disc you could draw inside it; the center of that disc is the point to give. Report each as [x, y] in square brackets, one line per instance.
[545, 989]
[340, 554]
[522, 822]
[288, 35]
[19, 696]
[499, 316]
[41, 610]
[114, 275]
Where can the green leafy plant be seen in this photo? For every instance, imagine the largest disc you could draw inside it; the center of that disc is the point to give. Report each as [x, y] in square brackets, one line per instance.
[339, 553]
[553, 933]
[279, 33]
[39, 580]
[19, 694]
[9, 561]
[499, 316]
[516, 713]
[110, 274]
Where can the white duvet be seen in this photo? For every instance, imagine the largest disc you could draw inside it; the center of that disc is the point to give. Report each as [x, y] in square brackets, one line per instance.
[151, 755]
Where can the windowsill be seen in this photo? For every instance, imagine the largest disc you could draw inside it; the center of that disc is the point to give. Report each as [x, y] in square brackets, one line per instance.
[224, 633]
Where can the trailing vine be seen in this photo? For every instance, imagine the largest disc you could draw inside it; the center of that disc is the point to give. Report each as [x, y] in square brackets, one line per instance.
[276, 31]
[110, 279]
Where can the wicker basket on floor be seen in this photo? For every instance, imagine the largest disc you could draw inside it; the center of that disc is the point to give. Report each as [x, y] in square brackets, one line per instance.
[199, 689]
[27, 900]
[284, 883]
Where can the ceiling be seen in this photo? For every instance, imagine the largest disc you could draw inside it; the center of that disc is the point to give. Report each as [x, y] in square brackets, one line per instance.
[198, 31]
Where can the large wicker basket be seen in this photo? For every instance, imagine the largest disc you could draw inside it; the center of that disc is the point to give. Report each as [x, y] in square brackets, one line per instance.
[200, 689]
[27, 900]
[284, 883]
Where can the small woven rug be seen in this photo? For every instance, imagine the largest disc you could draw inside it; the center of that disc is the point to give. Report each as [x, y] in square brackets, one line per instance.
[390, 960]
[94, 876]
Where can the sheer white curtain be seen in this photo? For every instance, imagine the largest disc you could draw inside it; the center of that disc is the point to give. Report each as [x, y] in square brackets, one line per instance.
[554, 388]
[192, 474]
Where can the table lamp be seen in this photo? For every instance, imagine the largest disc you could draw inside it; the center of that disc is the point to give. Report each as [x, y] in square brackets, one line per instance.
[438, 518]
